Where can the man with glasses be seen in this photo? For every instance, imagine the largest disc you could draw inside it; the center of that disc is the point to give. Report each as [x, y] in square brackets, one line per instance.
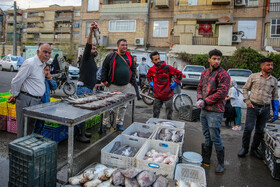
[28, 86]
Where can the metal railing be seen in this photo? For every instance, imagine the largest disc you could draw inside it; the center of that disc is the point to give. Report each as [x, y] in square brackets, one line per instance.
[274, 42]
[274, 7]
[205, 41]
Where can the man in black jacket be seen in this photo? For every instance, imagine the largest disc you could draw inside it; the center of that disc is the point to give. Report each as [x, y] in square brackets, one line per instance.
[118, 70]
[87, 78]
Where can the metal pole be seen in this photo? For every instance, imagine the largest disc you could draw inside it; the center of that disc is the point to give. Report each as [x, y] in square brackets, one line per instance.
[15, 30]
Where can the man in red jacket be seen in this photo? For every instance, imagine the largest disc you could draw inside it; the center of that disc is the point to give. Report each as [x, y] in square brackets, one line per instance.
[211, 93]
[159, 77]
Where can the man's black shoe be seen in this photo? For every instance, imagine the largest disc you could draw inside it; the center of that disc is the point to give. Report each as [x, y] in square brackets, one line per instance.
[242, 152]
[255, 153]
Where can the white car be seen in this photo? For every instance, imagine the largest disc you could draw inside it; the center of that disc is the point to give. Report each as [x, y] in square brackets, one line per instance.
[239, 75]
[9, 62]
[192, 73]
[73, 72]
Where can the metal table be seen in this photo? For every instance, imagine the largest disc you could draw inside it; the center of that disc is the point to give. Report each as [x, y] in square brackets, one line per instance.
[63, 113]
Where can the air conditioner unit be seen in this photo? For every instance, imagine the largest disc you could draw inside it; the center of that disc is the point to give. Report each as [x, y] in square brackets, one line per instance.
[240, 2]
[139, 41]
[236, 38]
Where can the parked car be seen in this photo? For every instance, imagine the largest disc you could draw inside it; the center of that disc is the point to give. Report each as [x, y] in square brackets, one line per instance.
[239, 75]
[192, 73]
[73, 72]
[9, 62]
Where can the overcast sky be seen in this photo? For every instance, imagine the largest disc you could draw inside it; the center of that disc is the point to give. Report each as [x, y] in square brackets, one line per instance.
[24, 4]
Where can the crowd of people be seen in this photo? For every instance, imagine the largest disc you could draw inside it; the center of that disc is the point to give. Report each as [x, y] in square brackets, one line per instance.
[33, 83]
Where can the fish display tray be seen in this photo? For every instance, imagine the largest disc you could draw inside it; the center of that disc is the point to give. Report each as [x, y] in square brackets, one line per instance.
[57, 134]
[178, 124]
[179, 143]
[12, 124]
[164, 147]
[3, 123]
[189, 113]
[141, 127]
[272, 161]
[270, 141]
[32, 162]
[120, 161]
[190, 173]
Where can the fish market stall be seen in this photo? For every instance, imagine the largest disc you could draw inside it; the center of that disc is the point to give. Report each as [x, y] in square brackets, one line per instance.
[72, 112]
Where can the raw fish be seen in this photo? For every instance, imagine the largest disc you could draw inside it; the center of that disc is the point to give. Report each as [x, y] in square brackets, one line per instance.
[92, 173]
[117, 178]
[75, 180]
[104, 184]
[131, 172]
[109, 171]
[117, 144]
[146, 178]
[161, 182]
[181, 183]
[92, 183]
[131, 182]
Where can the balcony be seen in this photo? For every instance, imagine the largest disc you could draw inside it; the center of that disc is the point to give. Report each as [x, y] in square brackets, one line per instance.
[274, 42]
[220, 2]
[162, 3]
[64, 18]
[274, 7]
[63, 30]
[46, 40]
[34, 19]
[33, 30]
[29, 36]
[11, 19]
[205, 41]
[124, 9]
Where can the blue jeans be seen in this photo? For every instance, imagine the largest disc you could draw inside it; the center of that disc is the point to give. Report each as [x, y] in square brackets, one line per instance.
[237, 120]
[256, 116]
[83, 91]
[211, 124]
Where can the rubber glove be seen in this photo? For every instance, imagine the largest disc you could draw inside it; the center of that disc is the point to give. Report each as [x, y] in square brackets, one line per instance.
[151, 84]
[200, 103]
[173, 85]
[275, 108]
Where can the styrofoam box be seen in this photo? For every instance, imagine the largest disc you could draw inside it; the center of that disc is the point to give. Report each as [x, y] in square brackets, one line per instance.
[190, 173]
[163, 147]
[178, 124]
[141, 127]
[120, 161]
[179, 143]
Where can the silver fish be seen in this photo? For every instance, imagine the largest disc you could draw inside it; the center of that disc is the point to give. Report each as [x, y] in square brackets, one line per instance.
[75, 180]
[117, 178]
[161, 182]
[146, 178]
[131, 182]
[92, 183]
[109, 171]
[131, 172]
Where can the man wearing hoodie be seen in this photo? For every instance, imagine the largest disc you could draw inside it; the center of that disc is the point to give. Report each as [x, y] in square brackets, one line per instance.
[159, 78]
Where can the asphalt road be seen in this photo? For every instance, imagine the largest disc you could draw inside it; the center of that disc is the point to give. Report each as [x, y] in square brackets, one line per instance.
[245, 172]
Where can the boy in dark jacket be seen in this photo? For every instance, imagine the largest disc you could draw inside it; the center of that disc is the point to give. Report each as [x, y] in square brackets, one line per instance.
[159, 78]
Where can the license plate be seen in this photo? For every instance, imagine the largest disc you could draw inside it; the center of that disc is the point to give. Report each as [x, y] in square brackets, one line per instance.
[194, 76]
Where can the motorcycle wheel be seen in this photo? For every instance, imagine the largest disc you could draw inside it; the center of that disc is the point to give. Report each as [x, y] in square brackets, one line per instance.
[149, 92]
[69, 88]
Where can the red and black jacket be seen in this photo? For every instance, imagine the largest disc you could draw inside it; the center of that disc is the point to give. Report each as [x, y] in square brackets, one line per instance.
[108, 68]
[161, 76]
[213, 88]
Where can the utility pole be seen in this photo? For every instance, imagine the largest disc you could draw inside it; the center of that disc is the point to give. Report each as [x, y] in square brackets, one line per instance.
[15, 30]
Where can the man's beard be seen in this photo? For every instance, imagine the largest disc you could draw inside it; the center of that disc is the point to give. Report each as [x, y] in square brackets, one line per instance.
[159, 64]
[94, 55]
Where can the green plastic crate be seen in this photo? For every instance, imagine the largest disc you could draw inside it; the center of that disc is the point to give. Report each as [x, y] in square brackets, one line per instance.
[93, 121]
[4, 94]
[2, 99]
[47, 123]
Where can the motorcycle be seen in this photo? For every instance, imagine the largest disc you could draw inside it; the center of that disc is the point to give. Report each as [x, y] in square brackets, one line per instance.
[62, 80]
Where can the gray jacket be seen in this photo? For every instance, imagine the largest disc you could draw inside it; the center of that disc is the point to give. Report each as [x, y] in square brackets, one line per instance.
[143, 68]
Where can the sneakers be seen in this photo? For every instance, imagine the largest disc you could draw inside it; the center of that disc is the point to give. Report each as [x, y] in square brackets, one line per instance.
[236, 128]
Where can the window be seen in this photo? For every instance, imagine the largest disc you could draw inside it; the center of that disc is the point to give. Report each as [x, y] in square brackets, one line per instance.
[25, 15]
[93, 5]
[87, 28]
[275, 28]
[253, 2]
[77, 24]
[77, 13]
[160, 29]
[249, 28]
[76, 35]
[122, 26]
[192, 2]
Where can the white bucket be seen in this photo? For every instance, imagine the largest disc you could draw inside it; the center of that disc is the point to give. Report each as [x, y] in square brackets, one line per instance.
[192, 158]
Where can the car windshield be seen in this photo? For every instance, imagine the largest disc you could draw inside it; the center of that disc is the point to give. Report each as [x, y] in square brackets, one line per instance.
[194, 69]
[14, 58]
[242, 73]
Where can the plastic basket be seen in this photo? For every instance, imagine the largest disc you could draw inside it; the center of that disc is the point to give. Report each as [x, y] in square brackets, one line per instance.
[154, 137]
[3, 123]
[189, 113]
[32, 162]
[178, 124]
[4, 108]
[163, 147]
[54, 99]
[4, 94]
[11, 110]
[96, 120]
[57, 134]
[190, 173]
[141, 127]
[120, 161]
[2, 99]
[12, 124]
[271, 131]
[47, 123]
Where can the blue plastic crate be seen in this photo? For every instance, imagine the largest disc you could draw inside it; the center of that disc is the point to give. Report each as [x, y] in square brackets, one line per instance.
[57, 134]
[33, 161]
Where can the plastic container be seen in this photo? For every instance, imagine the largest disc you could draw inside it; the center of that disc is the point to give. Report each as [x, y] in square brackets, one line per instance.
[192, 158]
[270, 132]
[3, 108]
[141, 127]
[96, 120]
[154, 137]
[120, 161]
[2, 99]
[54, 99]
[3, 123]
[32, 162]
[190, 173]
[11, 110]
[177, 124]
[12, 124]
[189, 113]
[57, 134]
[164, 147]
[4, 94]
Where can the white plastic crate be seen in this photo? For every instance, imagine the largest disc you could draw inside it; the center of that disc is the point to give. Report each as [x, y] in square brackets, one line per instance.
[154, 137]
[190, 173]
[141, 127]
[164, 147]
[178, 124]
[270, 131]
[120, 161]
